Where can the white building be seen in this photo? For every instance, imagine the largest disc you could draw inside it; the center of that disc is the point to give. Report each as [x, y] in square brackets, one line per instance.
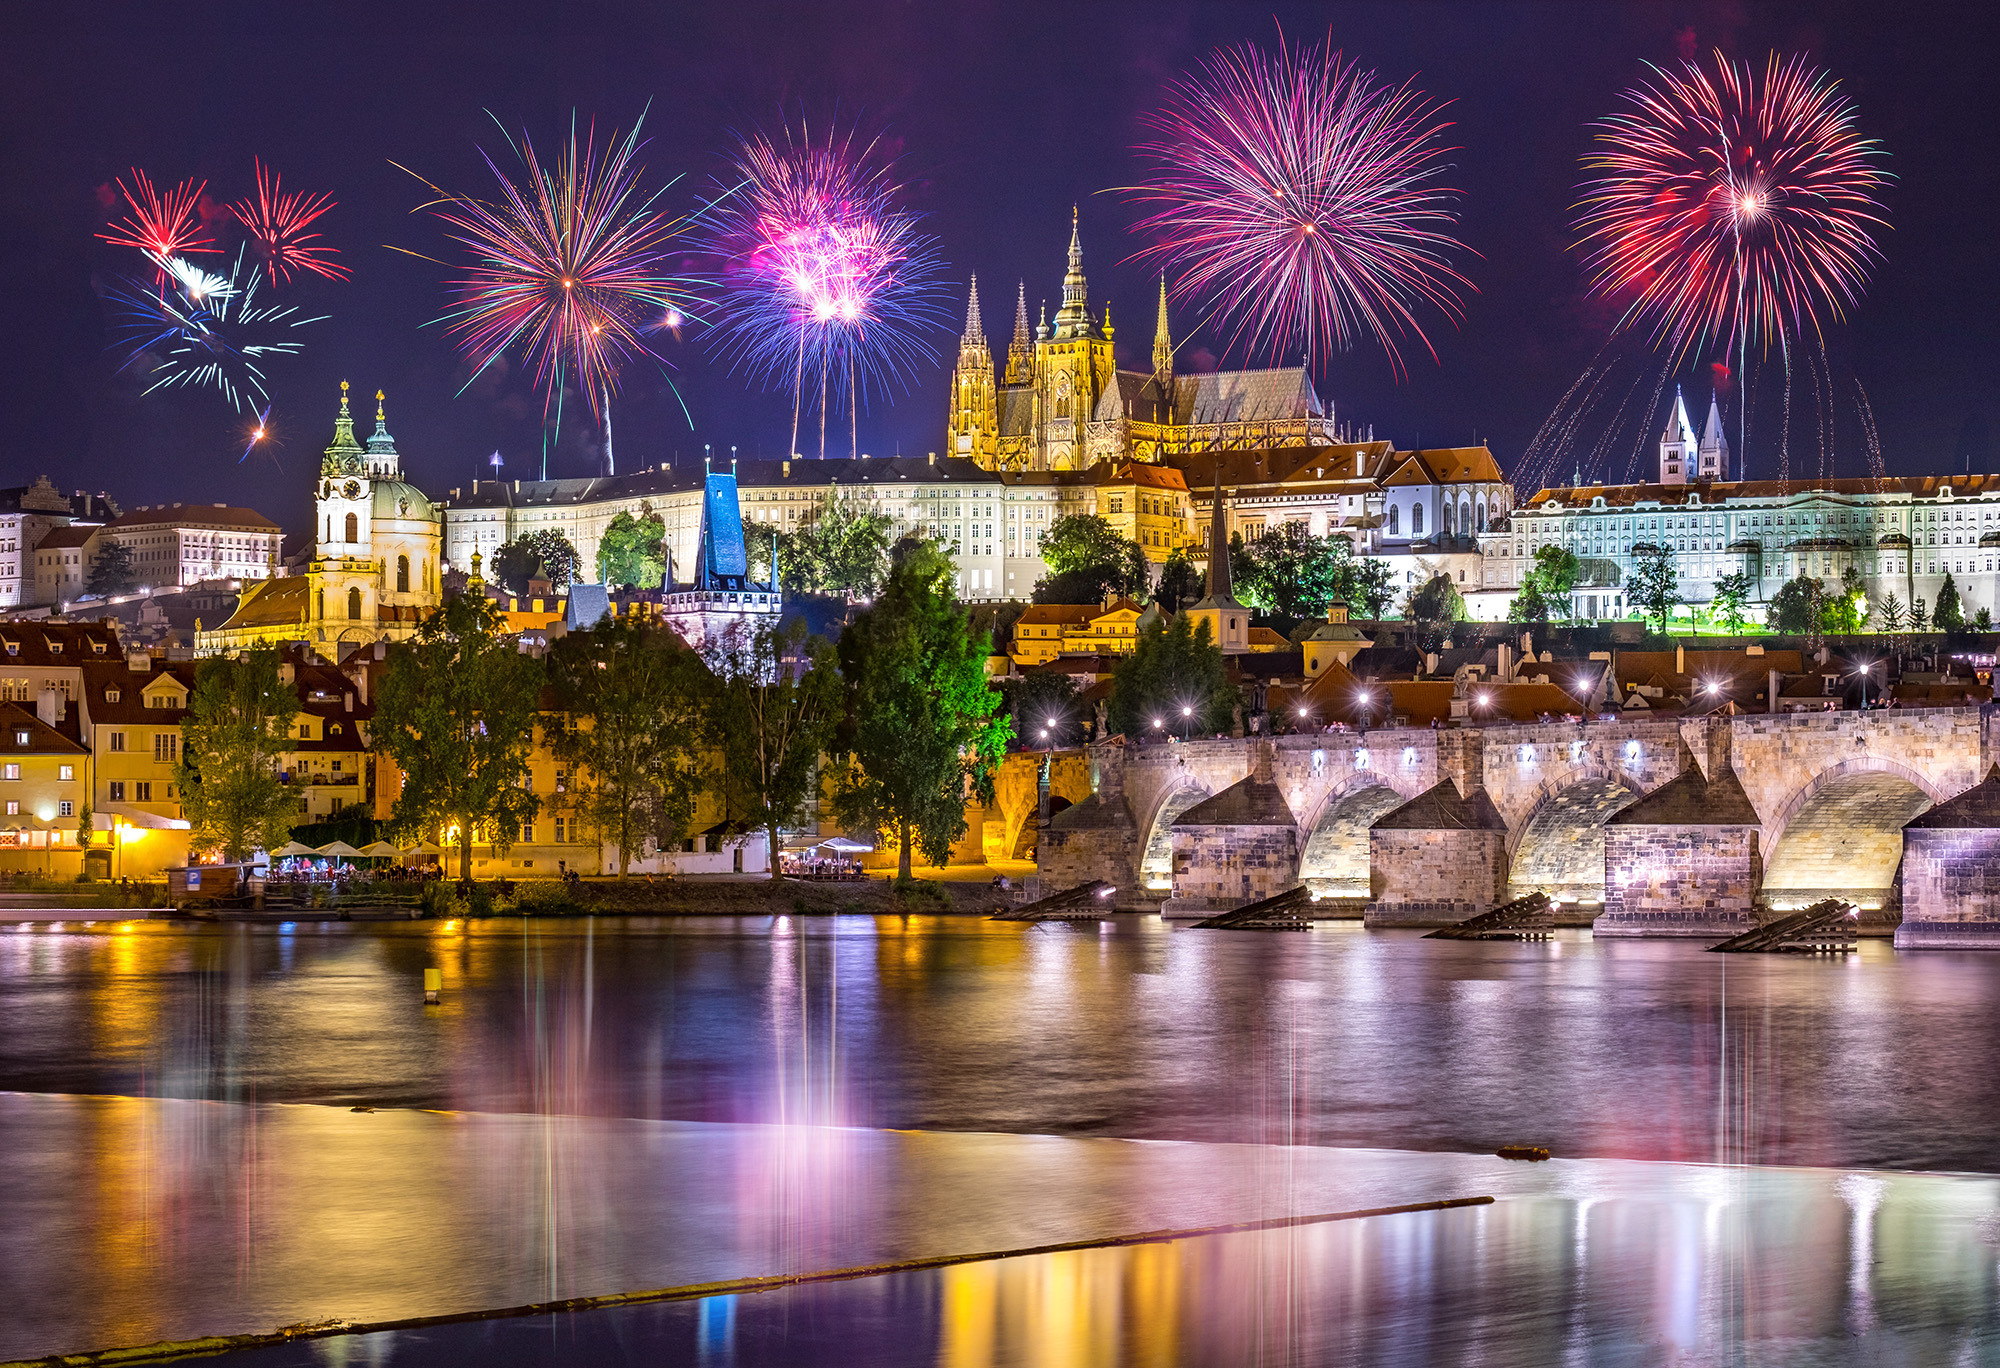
[181, 544]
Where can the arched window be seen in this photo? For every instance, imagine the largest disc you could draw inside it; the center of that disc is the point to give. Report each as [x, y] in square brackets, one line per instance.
[321, 605]
[1416, 520]
[1481, 524]
[354, 604]
[402, 574]
[1465, 527]
[353, 528]
[1062, 406]
[1450, 518]
[1395, 521]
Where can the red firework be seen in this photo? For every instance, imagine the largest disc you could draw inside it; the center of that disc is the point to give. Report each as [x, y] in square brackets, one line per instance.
[159, 225]
[1297, 196]
[1729, 206]
[276, 222]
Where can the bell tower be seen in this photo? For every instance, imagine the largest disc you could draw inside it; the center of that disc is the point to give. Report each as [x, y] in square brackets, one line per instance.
[973, 427]
[1073, 365]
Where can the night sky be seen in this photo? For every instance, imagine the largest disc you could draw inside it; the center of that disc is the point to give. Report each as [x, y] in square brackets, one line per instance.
[1005, 115]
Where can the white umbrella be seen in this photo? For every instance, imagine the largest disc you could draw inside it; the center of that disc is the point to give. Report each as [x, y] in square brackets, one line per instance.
[424, 848]
[336, 849]
[842, 845]
[290, 849]
[380, 850]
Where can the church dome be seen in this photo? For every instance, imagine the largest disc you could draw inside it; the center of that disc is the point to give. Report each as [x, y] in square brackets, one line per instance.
[397, 500]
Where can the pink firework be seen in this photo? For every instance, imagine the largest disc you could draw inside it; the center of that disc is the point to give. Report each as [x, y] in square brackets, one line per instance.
[276, 221]
[1732, 206]
[569, 266]
[821, 273]
[161, 225]
[1297, 197]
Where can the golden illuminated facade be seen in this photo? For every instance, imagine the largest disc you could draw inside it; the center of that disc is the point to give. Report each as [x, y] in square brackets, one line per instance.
[1061, 403]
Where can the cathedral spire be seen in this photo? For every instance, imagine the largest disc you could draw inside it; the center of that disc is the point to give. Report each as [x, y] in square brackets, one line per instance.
[343, 457]
[1073, 318]
[1163, 342]
[1021, 351]
[975, 326]
[1219, 586]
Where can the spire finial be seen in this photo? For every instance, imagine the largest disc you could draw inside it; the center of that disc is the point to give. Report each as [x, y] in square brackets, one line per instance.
[1163, 342]
[975, 325]
[1073, 317]
[343, 398]
[380, 417]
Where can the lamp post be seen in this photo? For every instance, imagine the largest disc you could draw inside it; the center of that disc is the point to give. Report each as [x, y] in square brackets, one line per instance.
[1187, 720]
[1365, 702]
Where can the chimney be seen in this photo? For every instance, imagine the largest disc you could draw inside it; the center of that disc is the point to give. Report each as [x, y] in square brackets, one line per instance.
[1680, 659]
[1504, 663]
[787, 466]
[139, 662]
[1772, 678]
[933, 459]
[348, 698]
[49, 707]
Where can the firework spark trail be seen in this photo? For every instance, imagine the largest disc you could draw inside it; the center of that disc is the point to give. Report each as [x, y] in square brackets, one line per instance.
[276, 221]
[570, 265]
[820, 272]
[1296, 197]
[161, 226]
[221, 339]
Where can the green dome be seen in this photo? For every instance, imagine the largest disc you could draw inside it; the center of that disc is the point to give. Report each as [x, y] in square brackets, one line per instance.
[394, 499]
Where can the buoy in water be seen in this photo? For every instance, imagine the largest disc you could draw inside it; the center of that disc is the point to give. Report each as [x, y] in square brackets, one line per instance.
[433, 985]
[1532, 1153]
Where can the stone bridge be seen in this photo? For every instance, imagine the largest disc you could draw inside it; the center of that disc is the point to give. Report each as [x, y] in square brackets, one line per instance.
[1638, 827]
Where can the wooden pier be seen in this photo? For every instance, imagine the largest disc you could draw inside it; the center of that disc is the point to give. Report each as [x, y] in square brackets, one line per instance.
[1828, 927]
[1525, 919]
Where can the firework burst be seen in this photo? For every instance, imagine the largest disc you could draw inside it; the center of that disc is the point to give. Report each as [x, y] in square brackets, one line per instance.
[824, 281]
[1729, 206]
[276, 221]
[569, 266]
[162, 226]
[1296, 197]
[202, 331]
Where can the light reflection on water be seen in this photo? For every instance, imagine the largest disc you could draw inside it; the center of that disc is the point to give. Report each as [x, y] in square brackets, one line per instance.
[1643, 1050]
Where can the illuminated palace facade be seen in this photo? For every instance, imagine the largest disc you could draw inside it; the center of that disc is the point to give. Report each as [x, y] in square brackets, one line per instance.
[1903, 535]
[1060, 403]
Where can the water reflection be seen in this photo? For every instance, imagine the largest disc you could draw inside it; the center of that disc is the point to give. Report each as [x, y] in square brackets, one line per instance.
[1720, 1268]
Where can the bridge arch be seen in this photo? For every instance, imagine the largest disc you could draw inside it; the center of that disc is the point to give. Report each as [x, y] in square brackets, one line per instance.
[1334, 860]
[1028, 835]
[1558, 849]
[1156, 859]
[1842, 834]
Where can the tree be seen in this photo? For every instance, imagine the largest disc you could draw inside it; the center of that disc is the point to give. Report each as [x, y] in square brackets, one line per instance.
[1434, 606]
[1374, 586]
[842, 549]
[630, 555]
[511, 566]
[111, 571]
[1044, 709]
[631, 695]
[1529, 605]
[86, 825]
[237, 731]
[773, 708]
[1982, 621]
[555, 560]
[1175, 666]
[1919, 618]
[1554, 575]
[1288, 571]
[921, 726]
[1732, 598]
[1948, 616]
[1845, 613]
[1089, 561]
[1889, 612]
[1795, 607]
[1655, 586]
[1180, 583]
[455, 713]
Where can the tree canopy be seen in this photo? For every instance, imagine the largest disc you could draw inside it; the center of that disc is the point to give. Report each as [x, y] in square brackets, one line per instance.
[1795, 607]
[1732, 600]
[631, 696]
[1287, 571]
[455, 712]
[921, 716]
[774, 703]
[237, 731]
[1180, 582]
[545, 555]
[843, 548]
[630, 554]
[1948, 616]
[1655, 585]
[1088, 561]
[1174, 675]
[1434, 606]
[111, 570]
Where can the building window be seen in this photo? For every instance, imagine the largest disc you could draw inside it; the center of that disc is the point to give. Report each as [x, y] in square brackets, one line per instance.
[353, 528]
[117, 790]
[20, 738]
[402, 574]
[10, 771]
[166, 748]
[66, 772]
[1395, 521]
[561, 825]
[142, 791]
[1416, 520]
[13, 808]
[527, 833]
[65, 808]
[353, 604]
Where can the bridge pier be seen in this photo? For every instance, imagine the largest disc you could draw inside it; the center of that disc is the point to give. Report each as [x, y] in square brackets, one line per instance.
[1951, 873]
[1239, 847]
[1437, 859]
[1682, 861]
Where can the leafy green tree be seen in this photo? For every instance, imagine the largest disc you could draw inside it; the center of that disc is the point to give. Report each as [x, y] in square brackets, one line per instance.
[1288, 571]
[773, 708]
[1044, 709]
[1655, 586]
[630, 554]
[1374, 587]
[631, 695]
[1843, 614]
[1529, 605]
[1434, 606]
[1174, 666]
[1088, 561]
[455, 713]
[1180, 582]
[111, 570]
[922, 724]
[237, 731]
[1795, 607]
[1731, 601]
[86, 825]
[556, 560]
[512, 566]
[1948, 616]
[1920, 620]
[1554, 575]
[842, 549]
[1982, 621]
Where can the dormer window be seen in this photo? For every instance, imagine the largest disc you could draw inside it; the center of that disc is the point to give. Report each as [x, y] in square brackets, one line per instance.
[55, 648]
[97, 647]
[112, 695]
[20, 738]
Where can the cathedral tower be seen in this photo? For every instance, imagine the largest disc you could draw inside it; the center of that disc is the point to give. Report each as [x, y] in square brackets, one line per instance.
[1713, 460]
[974, 424]
[1678, 446]
[1073, 365]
